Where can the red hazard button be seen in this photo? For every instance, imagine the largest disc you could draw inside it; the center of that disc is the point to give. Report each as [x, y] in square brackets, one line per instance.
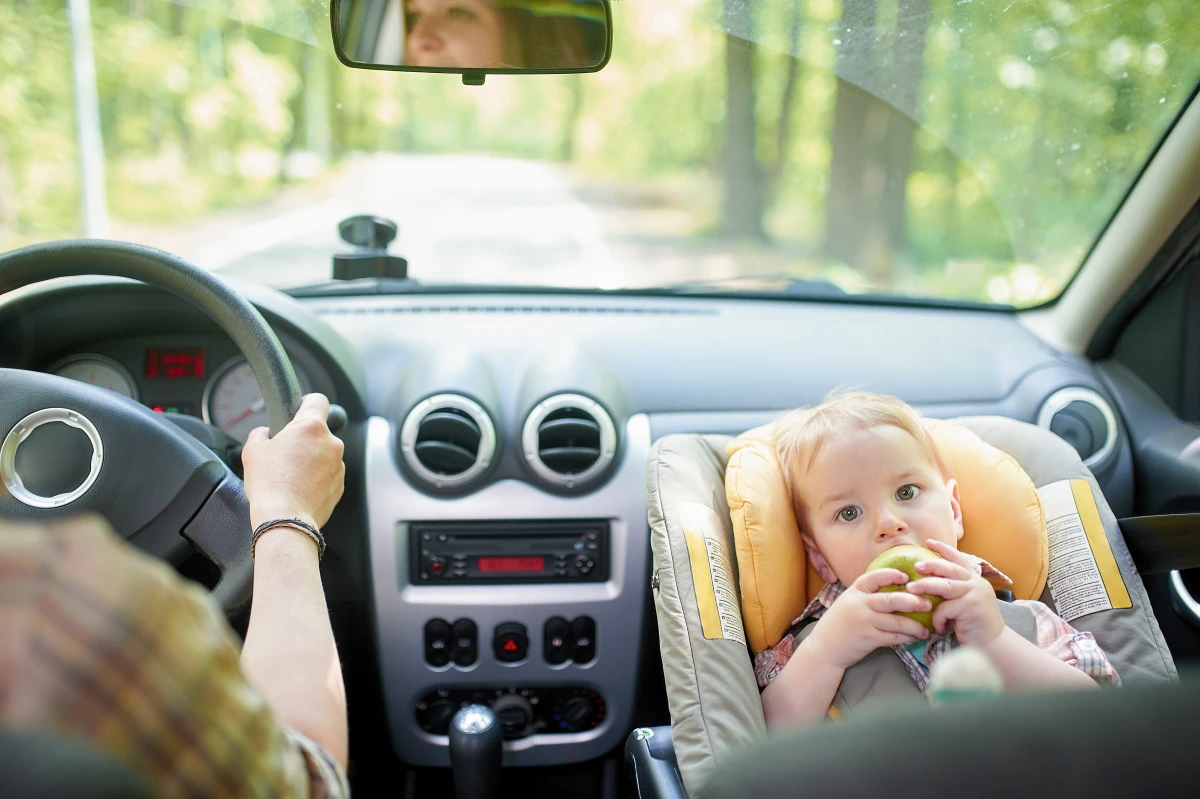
[510, 642]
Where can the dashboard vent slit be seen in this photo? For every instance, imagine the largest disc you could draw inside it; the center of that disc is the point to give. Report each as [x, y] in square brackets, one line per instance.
[445, 458]
[569, 460]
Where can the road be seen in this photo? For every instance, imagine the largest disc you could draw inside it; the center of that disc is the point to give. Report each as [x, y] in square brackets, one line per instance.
[466, 218]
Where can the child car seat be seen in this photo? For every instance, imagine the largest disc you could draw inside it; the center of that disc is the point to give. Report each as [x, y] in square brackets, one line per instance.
[707, 644]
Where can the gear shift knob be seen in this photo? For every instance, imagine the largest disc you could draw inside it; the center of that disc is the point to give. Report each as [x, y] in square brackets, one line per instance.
[475, 747]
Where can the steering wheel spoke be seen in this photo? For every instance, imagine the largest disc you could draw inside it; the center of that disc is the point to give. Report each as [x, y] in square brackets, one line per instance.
[225, 509]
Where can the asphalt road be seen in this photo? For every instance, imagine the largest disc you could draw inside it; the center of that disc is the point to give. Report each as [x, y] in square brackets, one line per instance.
[465, 218]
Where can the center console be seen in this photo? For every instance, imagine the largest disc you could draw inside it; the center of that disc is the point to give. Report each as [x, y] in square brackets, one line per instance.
[523, 600]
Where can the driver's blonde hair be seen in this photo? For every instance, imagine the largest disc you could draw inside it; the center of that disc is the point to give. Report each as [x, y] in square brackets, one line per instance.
[800, 434]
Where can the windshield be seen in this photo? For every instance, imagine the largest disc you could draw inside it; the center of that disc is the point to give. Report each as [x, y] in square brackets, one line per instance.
[945, 149]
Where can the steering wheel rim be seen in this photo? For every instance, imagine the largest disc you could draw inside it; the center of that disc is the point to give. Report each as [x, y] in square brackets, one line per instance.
[208, 507]
[240, 320]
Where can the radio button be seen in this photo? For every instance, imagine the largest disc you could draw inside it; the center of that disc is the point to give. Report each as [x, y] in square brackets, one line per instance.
[436, 566]
[583, 631]
[437, 642]
[465, 636]
[511, 642]
[556, 640]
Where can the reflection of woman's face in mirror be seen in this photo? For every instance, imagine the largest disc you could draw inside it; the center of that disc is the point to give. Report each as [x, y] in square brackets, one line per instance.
[453, 33]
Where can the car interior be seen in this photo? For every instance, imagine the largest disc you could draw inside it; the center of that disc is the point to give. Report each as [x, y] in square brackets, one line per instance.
[543, 522]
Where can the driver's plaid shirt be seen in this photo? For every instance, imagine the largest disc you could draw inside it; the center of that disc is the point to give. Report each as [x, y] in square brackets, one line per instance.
[107, 646]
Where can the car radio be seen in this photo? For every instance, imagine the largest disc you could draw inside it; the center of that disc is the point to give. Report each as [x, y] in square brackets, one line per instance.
[509, 552]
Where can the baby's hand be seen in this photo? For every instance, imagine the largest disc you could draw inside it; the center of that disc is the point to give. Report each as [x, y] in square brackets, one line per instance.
[861, 621]
[968, 600]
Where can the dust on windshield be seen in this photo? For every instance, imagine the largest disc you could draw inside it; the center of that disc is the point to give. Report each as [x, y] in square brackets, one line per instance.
[954, 149]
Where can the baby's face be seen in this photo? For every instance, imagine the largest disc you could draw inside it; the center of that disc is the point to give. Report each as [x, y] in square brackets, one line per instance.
[870, 490]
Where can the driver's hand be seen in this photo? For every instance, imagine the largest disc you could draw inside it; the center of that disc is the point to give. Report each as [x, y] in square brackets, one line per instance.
[299, 473]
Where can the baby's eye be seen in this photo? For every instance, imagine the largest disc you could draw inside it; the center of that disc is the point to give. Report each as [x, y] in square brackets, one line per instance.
[461, 14]
[849, 513]
[411, 19]
[908, 492]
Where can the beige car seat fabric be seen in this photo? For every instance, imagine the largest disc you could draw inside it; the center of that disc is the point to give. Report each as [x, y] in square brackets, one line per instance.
[711, 692]
[1130, 636]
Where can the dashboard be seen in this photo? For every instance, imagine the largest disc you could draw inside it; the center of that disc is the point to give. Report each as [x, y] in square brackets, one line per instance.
[493, 542]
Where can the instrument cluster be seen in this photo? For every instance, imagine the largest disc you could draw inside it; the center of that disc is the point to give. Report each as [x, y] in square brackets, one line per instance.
[213, 382]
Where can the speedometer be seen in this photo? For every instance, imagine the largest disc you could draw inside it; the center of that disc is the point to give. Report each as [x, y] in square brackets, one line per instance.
[233, 401]
[99, 371]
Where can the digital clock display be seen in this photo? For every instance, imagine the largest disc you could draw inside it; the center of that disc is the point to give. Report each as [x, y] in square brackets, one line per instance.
[174, 364]
[511, 565]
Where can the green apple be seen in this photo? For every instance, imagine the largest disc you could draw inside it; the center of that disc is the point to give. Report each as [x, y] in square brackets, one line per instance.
[905, 558]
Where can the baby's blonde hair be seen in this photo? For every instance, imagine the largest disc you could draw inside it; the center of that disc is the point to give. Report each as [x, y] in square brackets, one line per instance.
[800, 434]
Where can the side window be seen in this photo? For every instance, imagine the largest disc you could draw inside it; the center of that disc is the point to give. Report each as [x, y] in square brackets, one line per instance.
[1161, 343]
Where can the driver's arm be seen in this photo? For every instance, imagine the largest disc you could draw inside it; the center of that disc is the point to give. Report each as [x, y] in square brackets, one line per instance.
[289, 653]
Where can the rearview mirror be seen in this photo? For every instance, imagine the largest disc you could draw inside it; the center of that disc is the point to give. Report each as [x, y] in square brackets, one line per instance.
[473, 37]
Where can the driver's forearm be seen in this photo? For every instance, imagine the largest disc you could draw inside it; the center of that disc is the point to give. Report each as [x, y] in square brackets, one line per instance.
[290, 655]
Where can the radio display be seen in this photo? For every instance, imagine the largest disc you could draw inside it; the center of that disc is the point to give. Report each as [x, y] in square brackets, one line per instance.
[509, 565]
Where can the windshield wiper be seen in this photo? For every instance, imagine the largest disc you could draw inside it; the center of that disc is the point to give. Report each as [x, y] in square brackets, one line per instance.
[778, 283]
[364, 285]
[770, 285]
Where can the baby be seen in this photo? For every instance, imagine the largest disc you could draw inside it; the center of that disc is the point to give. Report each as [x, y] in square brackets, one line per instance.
[865, 476]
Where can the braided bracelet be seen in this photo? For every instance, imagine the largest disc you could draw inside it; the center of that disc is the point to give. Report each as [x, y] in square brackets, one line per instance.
[295, 524]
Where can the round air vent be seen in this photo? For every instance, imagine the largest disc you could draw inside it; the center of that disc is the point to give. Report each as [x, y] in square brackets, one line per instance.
[448, 440]
[1083, 419]
[568, 440]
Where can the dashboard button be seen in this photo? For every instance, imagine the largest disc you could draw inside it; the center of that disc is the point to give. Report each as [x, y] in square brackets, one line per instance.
[437, 642]
[515, 715]
[578, 713]
[583, 631]
[511, 642]
[435, 716]
[465, 636]
[556, 640]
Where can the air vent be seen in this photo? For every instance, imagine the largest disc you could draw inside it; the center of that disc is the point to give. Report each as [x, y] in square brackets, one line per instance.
[448, 440]
[568, 440]
[1083, 419]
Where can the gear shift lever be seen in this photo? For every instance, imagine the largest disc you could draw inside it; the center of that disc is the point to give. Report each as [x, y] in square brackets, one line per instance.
[475, 747]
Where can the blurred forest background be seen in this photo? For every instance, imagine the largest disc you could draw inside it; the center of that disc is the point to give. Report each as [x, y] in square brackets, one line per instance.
[963, 149]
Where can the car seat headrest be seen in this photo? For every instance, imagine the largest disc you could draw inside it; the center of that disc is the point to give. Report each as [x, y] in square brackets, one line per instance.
[1003, 523]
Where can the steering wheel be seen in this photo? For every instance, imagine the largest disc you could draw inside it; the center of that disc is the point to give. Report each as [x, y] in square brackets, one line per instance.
[70, 447]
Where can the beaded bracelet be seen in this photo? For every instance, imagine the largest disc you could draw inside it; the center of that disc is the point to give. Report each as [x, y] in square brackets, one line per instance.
[295, 524]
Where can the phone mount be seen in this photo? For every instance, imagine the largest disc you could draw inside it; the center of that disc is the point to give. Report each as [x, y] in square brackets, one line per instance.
[370, 237]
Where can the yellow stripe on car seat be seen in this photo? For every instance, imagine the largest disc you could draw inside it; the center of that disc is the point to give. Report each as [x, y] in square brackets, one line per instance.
[1089, 515]
[712, 572]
